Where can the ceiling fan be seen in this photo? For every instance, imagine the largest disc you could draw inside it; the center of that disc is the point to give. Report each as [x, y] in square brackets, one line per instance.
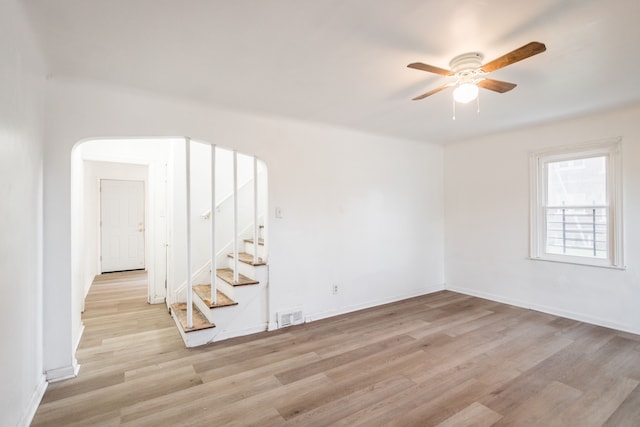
[469, 73]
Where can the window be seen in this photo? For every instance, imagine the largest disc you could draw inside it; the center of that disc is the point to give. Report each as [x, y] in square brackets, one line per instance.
[576, 213]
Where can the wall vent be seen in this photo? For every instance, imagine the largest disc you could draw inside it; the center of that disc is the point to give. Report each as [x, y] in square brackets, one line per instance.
[289, 318]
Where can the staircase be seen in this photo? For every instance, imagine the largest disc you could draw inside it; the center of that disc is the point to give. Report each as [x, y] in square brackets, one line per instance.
[241, 306]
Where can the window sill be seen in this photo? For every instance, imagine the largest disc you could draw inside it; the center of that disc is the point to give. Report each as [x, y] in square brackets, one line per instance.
[585, 264]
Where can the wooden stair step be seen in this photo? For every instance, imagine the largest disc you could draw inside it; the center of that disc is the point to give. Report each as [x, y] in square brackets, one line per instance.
[260, 241]
[226, 274]
[200, 322]
[248, 258]
[204, 292]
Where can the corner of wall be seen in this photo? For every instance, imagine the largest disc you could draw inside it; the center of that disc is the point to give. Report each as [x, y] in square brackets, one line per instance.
[34, 402]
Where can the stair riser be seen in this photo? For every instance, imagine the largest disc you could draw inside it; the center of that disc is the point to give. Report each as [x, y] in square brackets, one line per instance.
[208, 336]
[249, 312]
[256, 272]
[250, 248]
[203, 308]
[246, 269]
[226, 288]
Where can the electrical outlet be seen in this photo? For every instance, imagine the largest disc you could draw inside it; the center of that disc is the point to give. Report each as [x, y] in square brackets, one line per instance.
[335, 289]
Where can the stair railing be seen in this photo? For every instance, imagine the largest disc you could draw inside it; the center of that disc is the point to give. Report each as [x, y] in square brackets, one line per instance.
[212, 216]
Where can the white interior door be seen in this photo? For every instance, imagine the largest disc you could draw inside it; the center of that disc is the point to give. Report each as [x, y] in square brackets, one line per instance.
[122, 225]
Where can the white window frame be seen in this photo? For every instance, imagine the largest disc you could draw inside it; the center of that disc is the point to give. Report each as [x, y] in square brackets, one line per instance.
[611, 149]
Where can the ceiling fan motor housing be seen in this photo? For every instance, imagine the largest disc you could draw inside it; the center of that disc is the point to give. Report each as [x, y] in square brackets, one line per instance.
[466, 63]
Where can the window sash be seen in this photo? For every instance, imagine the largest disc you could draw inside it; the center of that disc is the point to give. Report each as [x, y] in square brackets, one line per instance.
[577, 231]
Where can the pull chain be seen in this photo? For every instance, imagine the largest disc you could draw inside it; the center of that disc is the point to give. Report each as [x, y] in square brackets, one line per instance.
[454, 108]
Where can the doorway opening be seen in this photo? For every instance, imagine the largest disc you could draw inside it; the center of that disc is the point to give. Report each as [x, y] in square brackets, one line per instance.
[133, 174]
[131, 209]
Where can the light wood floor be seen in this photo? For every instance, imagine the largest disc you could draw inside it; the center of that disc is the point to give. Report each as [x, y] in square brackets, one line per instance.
[442, 359]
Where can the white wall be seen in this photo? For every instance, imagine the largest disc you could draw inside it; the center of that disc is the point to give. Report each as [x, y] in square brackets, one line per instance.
[487, 224]
[21, 187]
[361, 211]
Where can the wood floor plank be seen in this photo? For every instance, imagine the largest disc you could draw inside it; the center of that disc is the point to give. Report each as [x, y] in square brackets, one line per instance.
[442, 406]
[438, 359]
[543, 406]
[339, 408]
[628, 413]
[349, 356]
[596, 404]
[342, 385]
[476, 415]
[208, 395]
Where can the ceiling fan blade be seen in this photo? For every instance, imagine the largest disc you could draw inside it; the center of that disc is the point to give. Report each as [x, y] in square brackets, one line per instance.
[496, 85]
[519, 54]
[430, 68]
[431, 92]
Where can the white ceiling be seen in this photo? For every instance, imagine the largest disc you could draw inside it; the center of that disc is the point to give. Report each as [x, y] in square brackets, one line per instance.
[343, 62]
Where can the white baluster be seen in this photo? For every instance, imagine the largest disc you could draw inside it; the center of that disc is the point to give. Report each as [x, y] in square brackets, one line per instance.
[235, 216]
[255, 210]
[187, 143]
[214, 294]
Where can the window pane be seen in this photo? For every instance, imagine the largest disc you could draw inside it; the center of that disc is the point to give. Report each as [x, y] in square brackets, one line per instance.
[577, 232]
[581, 182]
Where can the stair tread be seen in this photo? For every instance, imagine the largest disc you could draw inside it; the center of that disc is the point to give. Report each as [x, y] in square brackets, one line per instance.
[204, 292]
[260, 241]
[200, 322]
[226, 274]
[248, 258]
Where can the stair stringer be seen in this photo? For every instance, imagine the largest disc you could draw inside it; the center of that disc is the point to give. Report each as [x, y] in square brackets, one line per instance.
[249, 316]
[193, 338]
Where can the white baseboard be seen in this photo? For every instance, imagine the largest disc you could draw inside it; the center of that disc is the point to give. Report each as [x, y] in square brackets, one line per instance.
[34, 402]
[209, 336]
[581, 317]
[77, 343]
[157, 300]
[64, 373]
[373, 303]
[238, 332]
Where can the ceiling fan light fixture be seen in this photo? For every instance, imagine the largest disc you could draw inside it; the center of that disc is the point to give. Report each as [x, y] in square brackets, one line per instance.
[465, 93]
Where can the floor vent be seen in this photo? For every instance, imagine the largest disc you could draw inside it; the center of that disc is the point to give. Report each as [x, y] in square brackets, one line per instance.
[289, 318]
